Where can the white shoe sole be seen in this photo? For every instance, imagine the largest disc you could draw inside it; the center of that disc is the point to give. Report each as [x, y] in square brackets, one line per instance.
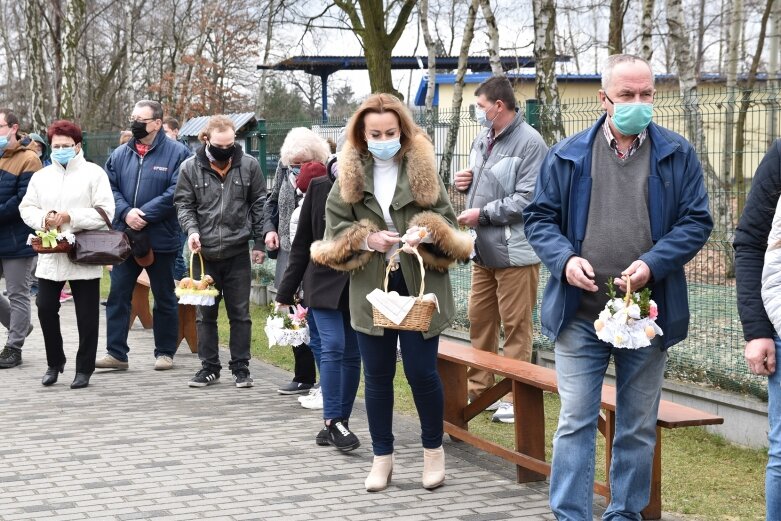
[312, 405]
[203, 384]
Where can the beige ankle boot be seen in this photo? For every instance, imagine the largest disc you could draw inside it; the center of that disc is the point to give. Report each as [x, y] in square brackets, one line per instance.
[433, 467]
[380, 474]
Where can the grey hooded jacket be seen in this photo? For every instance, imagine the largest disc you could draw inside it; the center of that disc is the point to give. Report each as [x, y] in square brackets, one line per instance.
[502, 186]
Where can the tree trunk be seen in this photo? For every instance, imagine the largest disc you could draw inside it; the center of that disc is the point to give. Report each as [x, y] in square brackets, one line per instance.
[615, 38]
[260, 99]
[75, 13]
[773, 73]
[733, 49]
[647, 24]
[493, 34]
[35, 65]
[432, 67]
[720, 199]
[745, 103]
[700, 38]
[546, 88]
[458, 91]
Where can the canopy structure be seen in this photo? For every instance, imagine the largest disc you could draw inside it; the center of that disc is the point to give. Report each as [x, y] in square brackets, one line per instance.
[324, 66]
[193, 126]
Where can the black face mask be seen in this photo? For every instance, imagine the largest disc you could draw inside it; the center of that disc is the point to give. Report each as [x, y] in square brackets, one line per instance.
[221, 154]
[138, 128]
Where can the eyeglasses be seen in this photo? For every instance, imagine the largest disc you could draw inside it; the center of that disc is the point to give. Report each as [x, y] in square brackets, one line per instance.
[60, 147]
[131, 119]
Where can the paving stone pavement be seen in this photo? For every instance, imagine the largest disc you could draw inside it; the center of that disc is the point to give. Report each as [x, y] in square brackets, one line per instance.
[141, 444]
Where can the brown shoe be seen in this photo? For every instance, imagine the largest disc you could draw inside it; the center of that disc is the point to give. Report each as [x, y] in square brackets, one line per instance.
[109, 362]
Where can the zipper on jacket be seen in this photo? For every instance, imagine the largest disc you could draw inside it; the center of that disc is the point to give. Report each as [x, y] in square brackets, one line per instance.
[476, 180]
[138, 181]
[222, 211]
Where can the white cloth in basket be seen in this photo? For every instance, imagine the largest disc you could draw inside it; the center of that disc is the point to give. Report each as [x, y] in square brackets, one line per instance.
[394, 306]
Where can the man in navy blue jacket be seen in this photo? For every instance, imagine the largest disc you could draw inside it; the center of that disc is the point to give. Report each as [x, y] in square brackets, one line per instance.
[143, 174]
[624, 198]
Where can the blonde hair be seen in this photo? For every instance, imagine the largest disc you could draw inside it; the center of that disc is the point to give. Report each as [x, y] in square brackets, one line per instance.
[378, 104]
[217, 123]
[305, 145]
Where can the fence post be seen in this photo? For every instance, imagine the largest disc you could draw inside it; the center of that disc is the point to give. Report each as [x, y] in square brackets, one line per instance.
[262, 147]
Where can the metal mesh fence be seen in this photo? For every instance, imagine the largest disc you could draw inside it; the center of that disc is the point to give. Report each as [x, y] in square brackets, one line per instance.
[713, 353]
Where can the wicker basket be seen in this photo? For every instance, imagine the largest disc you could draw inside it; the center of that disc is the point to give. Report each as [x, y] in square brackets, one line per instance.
[419, 317]
[192, 295]
[63, 246]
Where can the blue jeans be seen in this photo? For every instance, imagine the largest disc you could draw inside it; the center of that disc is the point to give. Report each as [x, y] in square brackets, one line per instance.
[165, 312]
[419, 357]
[773, 473]
[581, 361]
[339, 362]
[180, 267]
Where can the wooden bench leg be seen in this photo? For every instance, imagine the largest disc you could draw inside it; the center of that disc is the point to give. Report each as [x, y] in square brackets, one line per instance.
[453, 378]
[607, 425]
[187, 329]
[654, 508]
[529, 428]
[139, 306]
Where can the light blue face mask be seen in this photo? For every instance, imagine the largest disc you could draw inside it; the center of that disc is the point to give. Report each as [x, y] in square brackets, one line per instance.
[631, 118]
[384, 150]
[63, 155]
[481, 116]
[3, 142]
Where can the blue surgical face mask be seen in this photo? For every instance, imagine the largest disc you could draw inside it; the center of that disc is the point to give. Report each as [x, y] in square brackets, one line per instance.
[295, 170]
[63, 155]
[384, 150]
[4, 142]
[631, 118]
[481, 116]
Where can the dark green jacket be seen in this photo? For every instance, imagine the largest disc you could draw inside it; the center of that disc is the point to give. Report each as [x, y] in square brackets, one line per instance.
[421, 199]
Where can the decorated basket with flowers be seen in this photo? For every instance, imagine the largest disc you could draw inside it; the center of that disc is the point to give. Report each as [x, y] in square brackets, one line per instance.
[287, 329]
[196, 292]
[51, 241]
[628, 322]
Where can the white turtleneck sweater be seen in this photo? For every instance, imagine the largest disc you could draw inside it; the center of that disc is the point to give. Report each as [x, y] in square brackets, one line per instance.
[386, 173]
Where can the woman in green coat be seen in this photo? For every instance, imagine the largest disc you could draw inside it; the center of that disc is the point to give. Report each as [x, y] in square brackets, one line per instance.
[387, 185]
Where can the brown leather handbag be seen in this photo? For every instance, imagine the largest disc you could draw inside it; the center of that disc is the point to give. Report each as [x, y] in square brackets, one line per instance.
[100, 247]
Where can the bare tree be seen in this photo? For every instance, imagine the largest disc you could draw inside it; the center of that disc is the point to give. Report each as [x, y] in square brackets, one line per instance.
[733, 50]
[432, 66]
[744, 106]
[493, 38]
[458, 92]
[647, 25]
[35, 64]
[615, 39]
[370, 23]
[546, 88]
[75, 14]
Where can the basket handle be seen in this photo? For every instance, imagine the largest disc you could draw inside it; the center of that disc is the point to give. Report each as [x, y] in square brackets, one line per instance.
[628, 296]
[192, 257]
[422, 270]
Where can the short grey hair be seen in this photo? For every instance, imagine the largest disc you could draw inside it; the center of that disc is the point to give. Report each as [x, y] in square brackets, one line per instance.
[304, 144]
[616, 59]
[157, 108]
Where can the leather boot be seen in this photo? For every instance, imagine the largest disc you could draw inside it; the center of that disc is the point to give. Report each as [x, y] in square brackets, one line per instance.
[81, 380]
[433, 467]
[51, 374]
[380, 474]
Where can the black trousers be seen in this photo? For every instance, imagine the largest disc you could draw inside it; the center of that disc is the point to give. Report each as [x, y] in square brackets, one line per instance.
[86, 298]
[304, 369]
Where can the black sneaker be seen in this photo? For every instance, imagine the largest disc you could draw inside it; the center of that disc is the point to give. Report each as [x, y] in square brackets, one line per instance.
[203, 378]
[295, 388]
[10, 357]
[340, 436]
[322, 437]
[242, 378]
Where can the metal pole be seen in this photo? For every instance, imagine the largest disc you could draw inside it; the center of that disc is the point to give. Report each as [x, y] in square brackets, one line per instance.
[324, 84]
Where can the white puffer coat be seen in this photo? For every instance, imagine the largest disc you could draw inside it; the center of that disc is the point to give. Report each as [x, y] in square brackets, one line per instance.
[76, 189]
[771, 272]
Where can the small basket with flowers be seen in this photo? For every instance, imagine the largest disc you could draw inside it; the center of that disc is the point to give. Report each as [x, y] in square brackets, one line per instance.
[287, 329]
[628, 322]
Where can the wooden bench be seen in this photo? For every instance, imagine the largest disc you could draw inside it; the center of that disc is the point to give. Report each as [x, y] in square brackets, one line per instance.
[139, 308]
[527, 382]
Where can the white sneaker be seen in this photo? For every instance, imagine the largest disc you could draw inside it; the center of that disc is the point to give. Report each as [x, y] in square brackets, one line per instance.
[164, 363]
[505, 413]
[312, 392]
[314, 402]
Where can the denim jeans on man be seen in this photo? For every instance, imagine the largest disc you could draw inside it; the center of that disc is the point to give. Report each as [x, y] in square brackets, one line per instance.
[165, 313]
[340, 362]
[232, 277]
[581, 362]
[773, 473]
[419, 357]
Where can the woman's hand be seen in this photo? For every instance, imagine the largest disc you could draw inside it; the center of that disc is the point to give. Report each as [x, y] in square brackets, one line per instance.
[382, 241]
[57, 219]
